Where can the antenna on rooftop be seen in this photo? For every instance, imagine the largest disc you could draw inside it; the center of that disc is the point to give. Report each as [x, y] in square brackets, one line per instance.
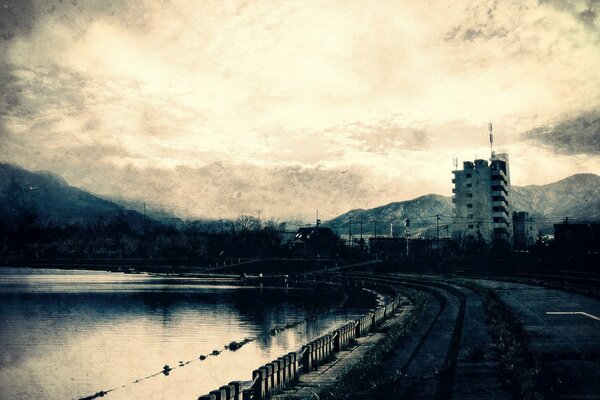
[491, 139]
[455, 163]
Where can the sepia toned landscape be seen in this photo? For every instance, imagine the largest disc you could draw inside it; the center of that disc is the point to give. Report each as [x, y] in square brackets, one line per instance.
[228, 200]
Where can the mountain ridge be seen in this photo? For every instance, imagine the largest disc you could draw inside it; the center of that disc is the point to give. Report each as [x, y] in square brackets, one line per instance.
[576, 196]
[50, 197]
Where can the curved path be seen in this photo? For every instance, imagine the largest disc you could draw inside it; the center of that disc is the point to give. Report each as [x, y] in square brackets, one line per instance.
[436, 359]
[563, 332]
[449, 352]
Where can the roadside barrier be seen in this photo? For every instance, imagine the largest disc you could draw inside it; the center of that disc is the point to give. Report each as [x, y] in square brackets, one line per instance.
[275, 376]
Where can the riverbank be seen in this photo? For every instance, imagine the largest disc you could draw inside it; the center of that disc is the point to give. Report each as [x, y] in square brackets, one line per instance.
[71, 334]
[225, 266]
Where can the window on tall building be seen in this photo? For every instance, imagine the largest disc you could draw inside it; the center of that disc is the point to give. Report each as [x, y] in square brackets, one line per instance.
[469, 185]
[470, 216]
[468, 175]
[469, 195]
[470, 226]
[469, 205]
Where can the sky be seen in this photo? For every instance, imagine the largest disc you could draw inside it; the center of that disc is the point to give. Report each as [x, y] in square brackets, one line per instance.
[214, 109]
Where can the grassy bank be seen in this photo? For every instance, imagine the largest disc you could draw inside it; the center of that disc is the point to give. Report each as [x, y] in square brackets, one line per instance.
[365, 374]
[526, 376]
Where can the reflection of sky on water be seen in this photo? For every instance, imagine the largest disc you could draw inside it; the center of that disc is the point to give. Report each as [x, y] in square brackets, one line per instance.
[68, 334]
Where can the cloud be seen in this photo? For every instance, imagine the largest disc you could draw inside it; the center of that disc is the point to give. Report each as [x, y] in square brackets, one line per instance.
[224, 189]
[573, 135]
[481, 23]
[16, 19]
[105, 92]
[387, 136]
[585, 11]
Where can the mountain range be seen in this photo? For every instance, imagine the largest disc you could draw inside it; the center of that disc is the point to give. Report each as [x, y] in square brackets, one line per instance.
[48, 199]
[52, 200]
[576, 197]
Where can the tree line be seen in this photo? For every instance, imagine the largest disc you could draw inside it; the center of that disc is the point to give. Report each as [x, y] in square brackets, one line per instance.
[31, 236]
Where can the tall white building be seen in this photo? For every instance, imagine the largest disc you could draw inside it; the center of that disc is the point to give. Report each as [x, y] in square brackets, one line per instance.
[481, 197]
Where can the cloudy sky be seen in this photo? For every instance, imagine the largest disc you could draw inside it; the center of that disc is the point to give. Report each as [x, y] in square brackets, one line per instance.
[216, 108]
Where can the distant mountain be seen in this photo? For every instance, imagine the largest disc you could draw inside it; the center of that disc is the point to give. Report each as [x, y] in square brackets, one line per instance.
[577, 197]
[49, 199]
[152, 211]
[421, 211]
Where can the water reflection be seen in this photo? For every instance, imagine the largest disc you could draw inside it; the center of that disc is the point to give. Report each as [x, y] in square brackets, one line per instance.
[71, 334]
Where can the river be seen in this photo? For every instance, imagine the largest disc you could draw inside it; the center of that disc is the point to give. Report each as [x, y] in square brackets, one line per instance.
[70, 334]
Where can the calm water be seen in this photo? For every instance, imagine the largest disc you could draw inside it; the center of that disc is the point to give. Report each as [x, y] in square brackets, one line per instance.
[70, 334]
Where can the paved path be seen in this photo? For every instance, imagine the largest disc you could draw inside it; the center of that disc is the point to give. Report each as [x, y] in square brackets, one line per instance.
[436, 358]
[476, 378]
[433, 360]
[442, 367]
[416, 364]
[311, 383]
[571, 342]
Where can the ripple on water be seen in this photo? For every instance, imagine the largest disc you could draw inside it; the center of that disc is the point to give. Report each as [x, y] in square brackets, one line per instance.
[69, 334]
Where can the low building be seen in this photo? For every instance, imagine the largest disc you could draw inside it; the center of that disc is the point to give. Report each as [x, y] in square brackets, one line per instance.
[524, 230]
[395, 247]
[318, 242]
[577, 238]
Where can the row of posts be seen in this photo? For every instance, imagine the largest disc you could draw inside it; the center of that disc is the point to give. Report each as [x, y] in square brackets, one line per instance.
[267, 379]
[317, 352]
[273, 377]
[233, 391]
[283, 372]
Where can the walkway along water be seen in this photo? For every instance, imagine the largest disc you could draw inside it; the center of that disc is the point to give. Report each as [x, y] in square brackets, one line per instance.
[448, 353]
[283, 372]
[443, 355]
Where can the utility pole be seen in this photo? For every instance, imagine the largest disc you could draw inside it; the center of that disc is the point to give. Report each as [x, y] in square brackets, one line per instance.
[407, 225]
[491, 139]
[437, 235]
[350, 233]
[144, 234]
[375, 223]
[361, 232]
[317, 234]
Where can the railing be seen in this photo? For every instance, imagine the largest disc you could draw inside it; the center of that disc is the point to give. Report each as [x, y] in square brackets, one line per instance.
[227, 392]
[275, 376]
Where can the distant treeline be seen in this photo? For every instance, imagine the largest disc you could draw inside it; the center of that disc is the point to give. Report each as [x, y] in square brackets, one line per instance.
[31, 237]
